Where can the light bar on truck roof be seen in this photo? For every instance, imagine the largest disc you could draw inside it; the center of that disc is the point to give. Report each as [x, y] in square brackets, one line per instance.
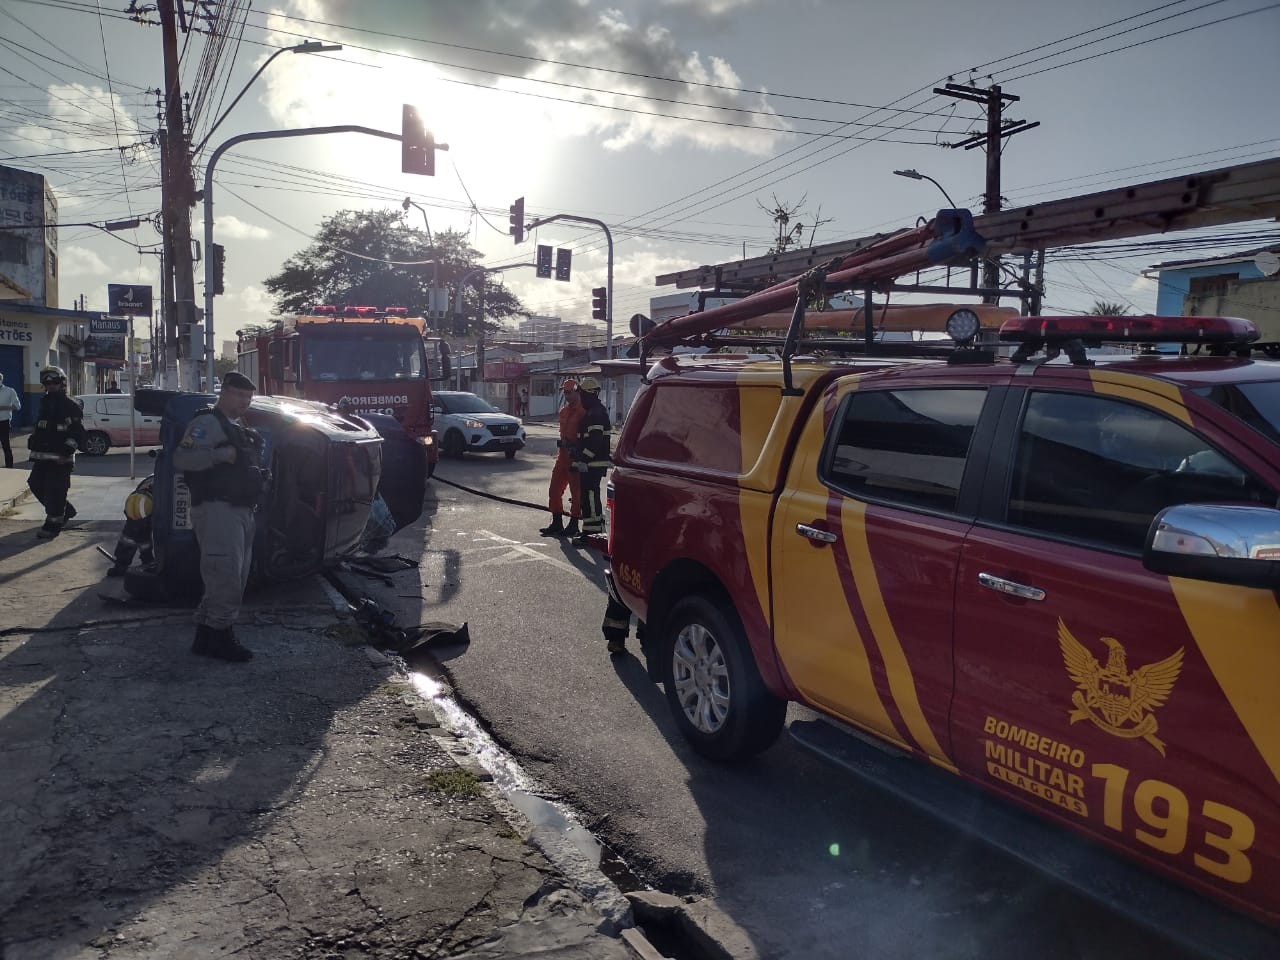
[327, 310]
[1145, 329]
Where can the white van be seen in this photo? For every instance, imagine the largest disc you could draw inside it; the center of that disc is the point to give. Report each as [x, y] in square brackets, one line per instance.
[106, 421]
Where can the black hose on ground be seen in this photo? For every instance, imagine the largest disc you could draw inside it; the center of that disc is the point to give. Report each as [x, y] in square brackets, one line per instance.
[541, 507]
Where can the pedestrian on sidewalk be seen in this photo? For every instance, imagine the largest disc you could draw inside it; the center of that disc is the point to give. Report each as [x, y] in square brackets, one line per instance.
[562, 476]
[58, 434]
[221, 461]
[591, 458]
[9, 405]
[522, 402]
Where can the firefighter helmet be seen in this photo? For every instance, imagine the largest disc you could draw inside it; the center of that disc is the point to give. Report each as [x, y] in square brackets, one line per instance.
[569, 384]
[589, 384]
[51, 375]
[137, 506]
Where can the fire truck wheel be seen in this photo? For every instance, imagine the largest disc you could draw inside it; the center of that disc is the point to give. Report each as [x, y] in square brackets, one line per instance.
[713, 687]
[454, 444]
[96, 443]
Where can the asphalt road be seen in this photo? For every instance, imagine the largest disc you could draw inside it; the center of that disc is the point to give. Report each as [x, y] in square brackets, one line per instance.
[807, 860]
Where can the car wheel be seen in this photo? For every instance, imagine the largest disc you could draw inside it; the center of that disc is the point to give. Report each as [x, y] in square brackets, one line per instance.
[454, 444]
[712, 684]
[97, 443]
[511, 454]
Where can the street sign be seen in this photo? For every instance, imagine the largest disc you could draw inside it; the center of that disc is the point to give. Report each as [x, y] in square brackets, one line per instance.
[129, 299]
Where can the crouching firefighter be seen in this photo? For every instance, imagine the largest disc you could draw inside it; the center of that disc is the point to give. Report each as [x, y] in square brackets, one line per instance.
[591, 458]
[221, 460]
[58, 434]
[136, 535]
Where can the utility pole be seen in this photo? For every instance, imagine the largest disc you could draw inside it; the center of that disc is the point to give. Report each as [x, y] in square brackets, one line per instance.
[177, 192]
[994, 100]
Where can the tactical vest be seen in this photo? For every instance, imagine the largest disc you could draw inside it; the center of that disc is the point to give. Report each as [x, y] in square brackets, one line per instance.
[240, 483]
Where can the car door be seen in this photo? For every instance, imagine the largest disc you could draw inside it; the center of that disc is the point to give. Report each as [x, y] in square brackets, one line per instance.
[1123, 702]
[866, 540]
[117, 413]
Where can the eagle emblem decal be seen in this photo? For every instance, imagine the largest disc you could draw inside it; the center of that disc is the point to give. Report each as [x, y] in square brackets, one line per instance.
[1120, 701]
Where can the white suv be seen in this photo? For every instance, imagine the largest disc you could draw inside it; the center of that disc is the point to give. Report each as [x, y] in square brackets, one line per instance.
[466, 423]
[106, 422]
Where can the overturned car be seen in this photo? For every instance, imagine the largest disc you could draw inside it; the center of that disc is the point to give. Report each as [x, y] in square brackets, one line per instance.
[326, 473]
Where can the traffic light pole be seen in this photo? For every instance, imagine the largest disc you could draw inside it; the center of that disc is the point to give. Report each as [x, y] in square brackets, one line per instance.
[208, 209]
[608, 313]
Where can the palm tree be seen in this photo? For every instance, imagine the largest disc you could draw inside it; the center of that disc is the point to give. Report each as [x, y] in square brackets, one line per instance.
[1101, 308]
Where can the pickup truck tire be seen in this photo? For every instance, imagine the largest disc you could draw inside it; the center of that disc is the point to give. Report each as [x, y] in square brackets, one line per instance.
[96, 443]
[713, 687]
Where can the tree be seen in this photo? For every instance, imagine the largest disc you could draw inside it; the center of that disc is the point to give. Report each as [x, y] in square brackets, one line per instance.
[348, 264]
[789, 233]
[1101, 308]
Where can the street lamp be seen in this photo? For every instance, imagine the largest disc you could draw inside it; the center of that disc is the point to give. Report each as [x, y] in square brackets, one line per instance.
[435, 264]
[917, 175]
[311, 46]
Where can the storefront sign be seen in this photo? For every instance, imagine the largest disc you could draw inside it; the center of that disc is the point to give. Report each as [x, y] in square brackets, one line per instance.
[15, 331]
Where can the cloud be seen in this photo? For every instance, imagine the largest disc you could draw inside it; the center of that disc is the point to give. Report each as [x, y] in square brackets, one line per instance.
[81, 262]
[230, 227]
[255, 300]
[654, 69]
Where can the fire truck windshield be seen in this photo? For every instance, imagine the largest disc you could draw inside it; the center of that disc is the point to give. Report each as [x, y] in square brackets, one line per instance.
[361, 356]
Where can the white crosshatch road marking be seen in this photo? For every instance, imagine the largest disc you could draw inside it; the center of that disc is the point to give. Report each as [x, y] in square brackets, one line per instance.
[516, 552]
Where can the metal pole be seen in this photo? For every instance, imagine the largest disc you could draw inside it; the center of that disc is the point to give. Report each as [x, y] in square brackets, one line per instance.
[133, 392]
[208, 209]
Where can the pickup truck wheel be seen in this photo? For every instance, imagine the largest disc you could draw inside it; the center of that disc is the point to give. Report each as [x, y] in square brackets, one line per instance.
[511, 454]
[454, 444]
[712, 684]
[96, 443]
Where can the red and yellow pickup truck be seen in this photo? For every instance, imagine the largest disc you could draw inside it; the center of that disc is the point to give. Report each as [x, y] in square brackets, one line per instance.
[1053, 579]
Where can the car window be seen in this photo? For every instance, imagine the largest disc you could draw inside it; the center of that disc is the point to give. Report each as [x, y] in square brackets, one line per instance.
[100, 407]
[905, 446]
[119, 406]
[1098, 469]
[465, 403]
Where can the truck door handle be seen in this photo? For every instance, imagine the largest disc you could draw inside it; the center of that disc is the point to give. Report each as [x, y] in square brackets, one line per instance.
[1012, 588]
[815, 534]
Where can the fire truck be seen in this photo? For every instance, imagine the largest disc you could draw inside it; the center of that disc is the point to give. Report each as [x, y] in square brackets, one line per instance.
[361, 359]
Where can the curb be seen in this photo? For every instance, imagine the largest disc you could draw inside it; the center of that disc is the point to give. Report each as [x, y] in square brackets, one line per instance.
[9, 501]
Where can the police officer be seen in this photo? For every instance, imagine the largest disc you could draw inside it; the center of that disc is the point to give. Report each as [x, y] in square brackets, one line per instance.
[221, 460]
[58, 434]
[562, 477]
[136, 534]
[591, 458]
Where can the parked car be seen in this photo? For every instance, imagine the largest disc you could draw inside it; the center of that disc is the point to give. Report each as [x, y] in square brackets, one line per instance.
[468, 424]
[1054, 580]
[106, 422]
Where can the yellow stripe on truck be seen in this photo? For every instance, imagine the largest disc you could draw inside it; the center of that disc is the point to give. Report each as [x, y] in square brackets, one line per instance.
[902, 685]
[1237, 630]
[1164, 397]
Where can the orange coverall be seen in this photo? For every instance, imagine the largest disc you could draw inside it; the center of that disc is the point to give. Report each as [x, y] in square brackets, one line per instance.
[561, 475]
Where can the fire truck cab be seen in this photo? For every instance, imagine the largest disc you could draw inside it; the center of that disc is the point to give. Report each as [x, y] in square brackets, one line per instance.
[361, 359]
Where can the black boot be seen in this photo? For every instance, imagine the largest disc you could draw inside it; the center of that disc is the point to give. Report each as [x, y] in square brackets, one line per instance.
[52, 527]
[556, 527]
[203, 643]
[221, 644]
[572, 529]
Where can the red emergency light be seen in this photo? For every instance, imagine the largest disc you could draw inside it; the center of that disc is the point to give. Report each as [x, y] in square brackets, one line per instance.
[396, 311]
[359, 312]
[327, 310]
[1144, 329]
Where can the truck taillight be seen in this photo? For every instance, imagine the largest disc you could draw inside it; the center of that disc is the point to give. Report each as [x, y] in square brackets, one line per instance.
[608, 501]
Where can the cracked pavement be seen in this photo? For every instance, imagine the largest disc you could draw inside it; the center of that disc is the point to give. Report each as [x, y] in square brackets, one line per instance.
[157, 804]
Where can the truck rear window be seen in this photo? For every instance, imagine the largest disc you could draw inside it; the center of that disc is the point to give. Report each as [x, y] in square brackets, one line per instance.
[1257, 404]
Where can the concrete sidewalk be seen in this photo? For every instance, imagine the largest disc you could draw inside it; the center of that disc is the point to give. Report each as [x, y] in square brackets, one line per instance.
[157, 804]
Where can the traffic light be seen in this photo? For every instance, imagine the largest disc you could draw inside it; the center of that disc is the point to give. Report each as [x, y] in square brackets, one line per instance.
[600, 303]
[218, 254]
[517, 221]
[417, 145]
[544, 262]
[563, 257]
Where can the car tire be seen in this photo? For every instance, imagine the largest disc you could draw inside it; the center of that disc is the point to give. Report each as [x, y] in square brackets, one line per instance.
[713, 686]
[454, 444]
[511, 454]
[96, 443]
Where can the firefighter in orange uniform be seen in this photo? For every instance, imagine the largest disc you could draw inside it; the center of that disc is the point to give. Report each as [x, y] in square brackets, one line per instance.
[562, 476]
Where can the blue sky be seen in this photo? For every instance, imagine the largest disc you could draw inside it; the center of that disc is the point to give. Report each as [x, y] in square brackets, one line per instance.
[813, 100]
